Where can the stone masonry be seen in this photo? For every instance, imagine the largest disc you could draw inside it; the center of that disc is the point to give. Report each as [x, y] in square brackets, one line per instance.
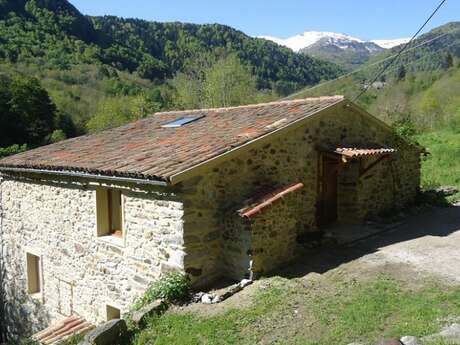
[218, 243]
[82, 273]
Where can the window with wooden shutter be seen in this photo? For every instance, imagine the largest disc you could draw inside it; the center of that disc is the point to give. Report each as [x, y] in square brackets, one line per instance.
[109, 212]
[112, 313]
[33, 274]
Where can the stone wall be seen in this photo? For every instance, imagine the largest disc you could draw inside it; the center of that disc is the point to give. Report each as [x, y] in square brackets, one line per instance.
[219, 191]
[81, 272]
[274, 234]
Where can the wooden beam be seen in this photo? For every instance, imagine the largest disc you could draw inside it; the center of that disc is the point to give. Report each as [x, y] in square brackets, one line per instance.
[363, 170]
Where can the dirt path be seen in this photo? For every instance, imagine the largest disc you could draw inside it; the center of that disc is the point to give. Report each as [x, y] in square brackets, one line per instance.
[427, 244]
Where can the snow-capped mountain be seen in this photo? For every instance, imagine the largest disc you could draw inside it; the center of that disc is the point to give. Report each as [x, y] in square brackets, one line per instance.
[308, 38]
[387, 44]
[345, 50]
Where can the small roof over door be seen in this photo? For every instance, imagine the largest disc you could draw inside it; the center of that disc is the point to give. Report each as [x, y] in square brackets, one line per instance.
[359, 151]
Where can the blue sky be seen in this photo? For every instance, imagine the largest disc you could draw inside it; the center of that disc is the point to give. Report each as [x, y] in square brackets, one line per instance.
[367, 19]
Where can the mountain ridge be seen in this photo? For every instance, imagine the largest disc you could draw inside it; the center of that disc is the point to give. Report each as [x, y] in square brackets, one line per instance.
[309, 38]
[55, 32]
[344, 50]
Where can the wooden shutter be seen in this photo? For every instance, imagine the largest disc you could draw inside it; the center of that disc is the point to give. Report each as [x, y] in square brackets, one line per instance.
[33, 273]
[102, 211]
[115, 211]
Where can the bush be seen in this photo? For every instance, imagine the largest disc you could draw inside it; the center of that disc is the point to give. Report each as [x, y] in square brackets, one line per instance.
[12, 150]
[405, 127]
[172, 288]
[57, 136]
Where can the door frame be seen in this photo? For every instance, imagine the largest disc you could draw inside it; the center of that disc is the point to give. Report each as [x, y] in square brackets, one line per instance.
[322, 219]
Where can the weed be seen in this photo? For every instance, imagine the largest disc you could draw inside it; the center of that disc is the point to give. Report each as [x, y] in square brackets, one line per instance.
[173, 287]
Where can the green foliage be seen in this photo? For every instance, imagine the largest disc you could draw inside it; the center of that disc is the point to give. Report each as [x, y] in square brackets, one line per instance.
[57, 135]
[27, 113]
[229, 328]
[401, 74]
[342, 313]
[12, 150]
[74, 340]
[27, 341]
[116, 111]
[442, 166]
[435, 55]
[91, 65]
[228, 83]
[172, 287]
[214, 83]
[405, 128]
[53, 33]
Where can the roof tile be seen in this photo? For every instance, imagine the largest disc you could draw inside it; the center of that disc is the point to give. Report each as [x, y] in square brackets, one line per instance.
[143, 149]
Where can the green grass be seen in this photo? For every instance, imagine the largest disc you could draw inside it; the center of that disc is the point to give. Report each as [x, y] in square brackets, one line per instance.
[340, 315]
[225, 329]
[442, 166]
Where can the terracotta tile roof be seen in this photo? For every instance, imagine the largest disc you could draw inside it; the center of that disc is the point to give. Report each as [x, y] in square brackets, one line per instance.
[62, 331]
[266, 198]
[353, 152]
[144, 149]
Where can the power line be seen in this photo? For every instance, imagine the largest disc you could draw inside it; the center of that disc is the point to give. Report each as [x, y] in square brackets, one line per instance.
[370, 65]
[400, 52]
[430, 54]
[410, 63]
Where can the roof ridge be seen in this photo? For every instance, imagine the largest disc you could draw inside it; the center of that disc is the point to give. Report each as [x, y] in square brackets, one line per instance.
[255, 105]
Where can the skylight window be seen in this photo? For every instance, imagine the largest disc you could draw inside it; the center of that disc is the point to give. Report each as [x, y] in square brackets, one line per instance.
[182, 121]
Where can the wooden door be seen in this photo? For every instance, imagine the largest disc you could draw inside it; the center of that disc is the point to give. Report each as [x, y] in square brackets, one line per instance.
[327, 189]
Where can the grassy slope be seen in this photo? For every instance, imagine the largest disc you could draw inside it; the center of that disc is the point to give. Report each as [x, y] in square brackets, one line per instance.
[442, 166]
[287, 312]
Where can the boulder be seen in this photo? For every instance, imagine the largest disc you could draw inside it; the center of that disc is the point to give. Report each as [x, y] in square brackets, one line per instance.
[409, 340]
[113, 332]
[140, 316]
[245, 282]
[450, 334]
[207, 298]
[447, 190]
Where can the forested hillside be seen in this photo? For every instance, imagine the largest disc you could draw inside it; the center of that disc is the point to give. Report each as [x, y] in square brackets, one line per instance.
[442, 41]
[54, 33]
[103, 71]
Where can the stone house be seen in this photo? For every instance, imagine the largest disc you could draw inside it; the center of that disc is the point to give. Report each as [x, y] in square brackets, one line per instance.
[88, 223]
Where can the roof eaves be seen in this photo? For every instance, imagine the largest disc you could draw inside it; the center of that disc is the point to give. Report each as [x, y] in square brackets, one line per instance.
[90, 176]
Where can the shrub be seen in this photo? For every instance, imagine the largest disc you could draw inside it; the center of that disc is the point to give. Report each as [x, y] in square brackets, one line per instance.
[12, 150]
[172, 287]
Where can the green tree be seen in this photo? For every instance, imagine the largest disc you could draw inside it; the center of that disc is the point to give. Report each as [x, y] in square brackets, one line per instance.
[116, 111]
[151, 68]
[27, 114]
[189, 91]
[431, 108]
[449, 60]
[228, 82]
[214, 83]
[57, 135]
[401, 74]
